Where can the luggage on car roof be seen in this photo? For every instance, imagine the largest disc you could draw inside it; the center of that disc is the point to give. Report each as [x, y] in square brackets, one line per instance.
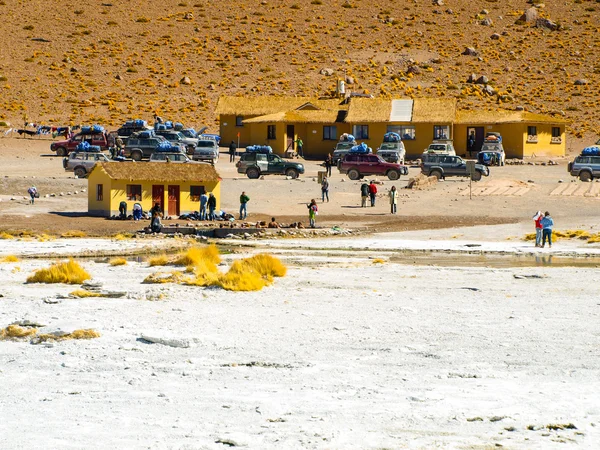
[591, 151]
[391, 137]
[259, 149]
[361, 148]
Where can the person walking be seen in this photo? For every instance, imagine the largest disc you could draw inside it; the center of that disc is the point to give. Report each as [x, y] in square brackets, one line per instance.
[313, 210]
[203, 204]
[244, 199]
[364, 194]
[393, 199]
[325, 189]
[212, 205]
[232, 149]
[537, 217]
[33, 193]
[372, 192]
[328, 164]
[299, 145]
[547, 225]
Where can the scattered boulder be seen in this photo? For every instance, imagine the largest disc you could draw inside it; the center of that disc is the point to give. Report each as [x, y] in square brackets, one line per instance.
[349, 80]
[529, 16]
[519, 108]
[581, 82]
[414, 70]
[186, 80]
[495, 37]
[438, 2]
[168, 341]
[482, 80]
[487, 22]
[326, 71]
[470, 51]
[489, 90]
[118, 77]
[472, 78]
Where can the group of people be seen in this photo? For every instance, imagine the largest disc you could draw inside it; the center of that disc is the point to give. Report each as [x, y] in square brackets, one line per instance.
[543, 229]
[207, 202]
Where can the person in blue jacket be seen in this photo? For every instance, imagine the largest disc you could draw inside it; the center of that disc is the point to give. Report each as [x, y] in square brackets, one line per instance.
[547, 225]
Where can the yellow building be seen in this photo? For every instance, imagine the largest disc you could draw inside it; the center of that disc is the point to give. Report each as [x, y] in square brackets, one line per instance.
[176, 187]
[280, 121]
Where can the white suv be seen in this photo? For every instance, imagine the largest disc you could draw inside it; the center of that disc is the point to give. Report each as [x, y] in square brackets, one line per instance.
[81, 163]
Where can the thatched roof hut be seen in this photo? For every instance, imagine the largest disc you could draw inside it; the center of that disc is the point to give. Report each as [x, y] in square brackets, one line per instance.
[475, 117]
[159, 172]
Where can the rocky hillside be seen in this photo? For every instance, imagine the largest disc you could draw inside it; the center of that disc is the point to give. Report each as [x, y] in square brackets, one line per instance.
[105, 61]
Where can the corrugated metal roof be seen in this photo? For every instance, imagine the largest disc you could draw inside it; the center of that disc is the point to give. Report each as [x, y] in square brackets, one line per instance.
[401, 111]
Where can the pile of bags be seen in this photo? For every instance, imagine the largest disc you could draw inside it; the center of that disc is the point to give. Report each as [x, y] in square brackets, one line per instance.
[259, 148]
[93, 129]
[87, 147]
[591, 151]
[391, 137]
[347, 138]
[166, 146]
[361, 148]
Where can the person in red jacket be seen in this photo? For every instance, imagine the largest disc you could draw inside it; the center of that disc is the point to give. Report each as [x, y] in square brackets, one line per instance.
[538, 228]
[372, 192]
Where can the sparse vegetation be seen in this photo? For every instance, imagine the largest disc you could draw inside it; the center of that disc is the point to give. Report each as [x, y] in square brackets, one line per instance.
[74, 234]
[69, 272]
[10, 259]
[118, 262]
[84, 293]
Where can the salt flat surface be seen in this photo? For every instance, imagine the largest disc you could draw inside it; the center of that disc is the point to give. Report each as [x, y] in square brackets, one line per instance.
[341, 353]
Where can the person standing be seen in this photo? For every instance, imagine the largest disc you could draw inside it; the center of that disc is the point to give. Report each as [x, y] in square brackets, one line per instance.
[372, 192]
[244, 199]
[471, 143]
[155, 209]
[313, 210]
[232, 149]
[212, 205]
[364, 194]
[299, 145]
[328, 164]
[393, 199]
[33, 193]
[325, 189]
[538, 228]
[203, 203]
[547, 225]
[119, 146]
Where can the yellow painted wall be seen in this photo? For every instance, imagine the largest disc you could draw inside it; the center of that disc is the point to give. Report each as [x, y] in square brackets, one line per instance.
[512, 137]
[228, 131]
[115, 191]
[544, 147]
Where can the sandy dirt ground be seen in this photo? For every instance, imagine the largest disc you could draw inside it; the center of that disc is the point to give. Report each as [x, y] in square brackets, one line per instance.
[340, 353]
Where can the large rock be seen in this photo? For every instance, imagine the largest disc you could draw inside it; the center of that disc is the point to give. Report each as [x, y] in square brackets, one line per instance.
[546, 23]
[470, 51]
[482, 80]
[487, 22]
[581, 82]
[529, 16]
[170, 341]
[186, 80]
[327, 72]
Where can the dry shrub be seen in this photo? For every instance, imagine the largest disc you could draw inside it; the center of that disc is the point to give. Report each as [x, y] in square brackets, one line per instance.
[378, 261]
[160, 260]
[241, 281]
[122, 236]
[10, 259]
[164, 277]
[16, 332]
[74, 234]
[69, 272]
[84, 293]
[594, 238]
[44, 237]
[5, 235]
[529, 237]
[264, 265]
[196, 256]
[118, 262]
[77, 334]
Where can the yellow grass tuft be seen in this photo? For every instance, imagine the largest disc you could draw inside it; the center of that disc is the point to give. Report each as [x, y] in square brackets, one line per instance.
[160, 260]
[84, 293]
[235, 281]
[5, 235]
[44, 237]
[264, 265]
[118, 262]
[195, 256]
[122, 236]
[10, 259]
[77, 334]
[74, 234]
[164, 277]
[16, 332]
[69, 272]
[529, 237]
[595, 238]
[378, 261]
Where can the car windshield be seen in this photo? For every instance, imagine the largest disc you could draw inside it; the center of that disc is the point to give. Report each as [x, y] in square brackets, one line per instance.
[437, 147]
[389, 146]
[345, 145]
[207, 144]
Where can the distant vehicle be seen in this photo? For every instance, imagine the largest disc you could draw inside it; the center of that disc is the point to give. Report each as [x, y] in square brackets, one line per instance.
[441, 147]
[492, 151]
[132, 126]
[206, 150]
[138, 147]
[174, 157]
[81, 163]
[178, 138]
[255, 164]
[216, 137]
[442, 166]
[100, 139]
[359, 165]
[393, 152]
[585, 167]
[342, 149]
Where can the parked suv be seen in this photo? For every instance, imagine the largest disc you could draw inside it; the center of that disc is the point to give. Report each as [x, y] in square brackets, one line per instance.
[177, 137]
[441, 147]
[255, 164]
[442, 166]
[585, 167]
[137, 147]
[342, 149]
[393, 152]
[175, 157]
[81, 163]
[359, 165]
[206, 150]
[63, 148]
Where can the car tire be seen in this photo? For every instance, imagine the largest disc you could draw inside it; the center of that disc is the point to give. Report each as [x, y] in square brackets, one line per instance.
[253, 173]
[292, 173]
[80, 172]
[353, 174]
[136, 155]
[476, 176]
[436, 173]
[393, 175]
[585, 176]
[61, 151]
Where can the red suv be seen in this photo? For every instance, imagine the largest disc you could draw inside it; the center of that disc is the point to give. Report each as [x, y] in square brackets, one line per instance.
[358, 165]
[63, 148]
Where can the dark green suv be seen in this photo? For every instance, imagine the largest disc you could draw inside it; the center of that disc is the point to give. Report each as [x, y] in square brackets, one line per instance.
[138, 147]
[442, 166]
[255, 164]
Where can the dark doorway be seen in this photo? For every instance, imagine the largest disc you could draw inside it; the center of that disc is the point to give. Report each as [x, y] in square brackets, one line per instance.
[173, 200]
[158, 196]
[475, 137]
[290, 137]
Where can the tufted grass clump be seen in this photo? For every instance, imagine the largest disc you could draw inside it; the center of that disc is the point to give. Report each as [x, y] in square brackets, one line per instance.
[74, 234]
[160, 260]
[76, 334]
[84, 293]
[196, 256]
[16, 332]
[5, 235]
[69, 272]
[378, 261]
[164, 277]
[266, 266]
[118, 262]
[9, 259]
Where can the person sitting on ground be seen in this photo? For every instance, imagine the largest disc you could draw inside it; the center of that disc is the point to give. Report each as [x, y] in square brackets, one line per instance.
[155, 225]
[137, 211]
[156, 209]
[273, 223]
[123, 210]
